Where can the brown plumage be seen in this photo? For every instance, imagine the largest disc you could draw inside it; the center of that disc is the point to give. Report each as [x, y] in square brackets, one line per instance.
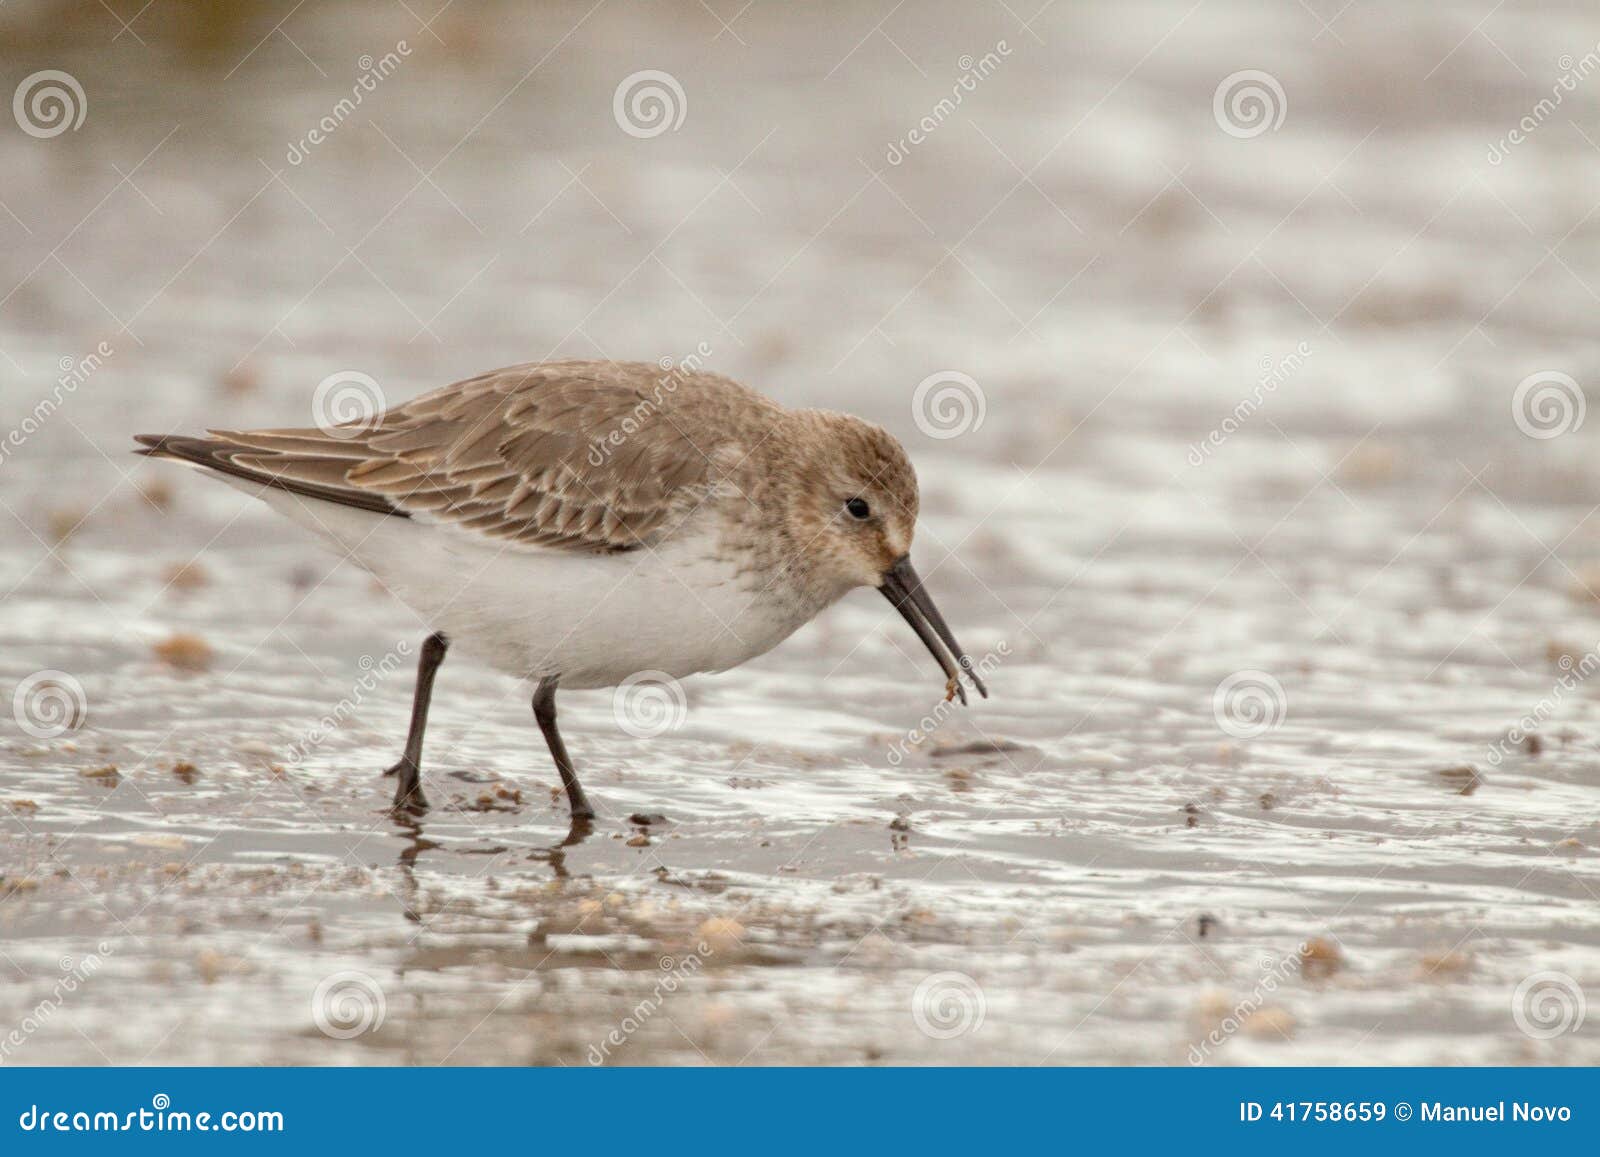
[584, 523]
[580, 455]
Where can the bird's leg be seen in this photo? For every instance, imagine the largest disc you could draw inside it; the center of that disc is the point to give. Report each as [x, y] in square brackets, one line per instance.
[544, 710]
[408, 789]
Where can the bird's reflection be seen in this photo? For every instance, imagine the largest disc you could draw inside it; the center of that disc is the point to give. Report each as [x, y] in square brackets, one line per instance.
[409, 823]
[556, 856]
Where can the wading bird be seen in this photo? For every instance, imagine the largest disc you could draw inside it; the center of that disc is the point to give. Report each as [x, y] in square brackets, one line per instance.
[573, 523]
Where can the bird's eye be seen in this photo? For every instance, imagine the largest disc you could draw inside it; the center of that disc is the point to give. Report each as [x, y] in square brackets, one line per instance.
[858, 509]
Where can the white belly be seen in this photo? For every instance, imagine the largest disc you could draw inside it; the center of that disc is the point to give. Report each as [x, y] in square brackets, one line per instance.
[591, 619]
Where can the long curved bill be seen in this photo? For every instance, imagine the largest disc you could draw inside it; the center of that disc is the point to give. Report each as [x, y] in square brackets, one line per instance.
[902, 587]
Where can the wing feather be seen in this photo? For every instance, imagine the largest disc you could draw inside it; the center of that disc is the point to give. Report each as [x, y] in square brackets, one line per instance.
[592, 456]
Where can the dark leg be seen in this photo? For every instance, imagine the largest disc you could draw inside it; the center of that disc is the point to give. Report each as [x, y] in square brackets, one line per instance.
[408, 791]
[544, 710]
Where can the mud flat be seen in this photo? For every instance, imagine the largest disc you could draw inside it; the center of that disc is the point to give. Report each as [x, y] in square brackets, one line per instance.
[1292, 751]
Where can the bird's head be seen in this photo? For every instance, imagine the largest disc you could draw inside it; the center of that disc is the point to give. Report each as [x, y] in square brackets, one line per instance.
[850, 509]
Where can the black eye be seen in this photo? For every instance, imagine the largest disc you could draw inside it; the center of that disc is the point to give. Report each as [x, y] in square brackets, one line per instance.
[858, 509]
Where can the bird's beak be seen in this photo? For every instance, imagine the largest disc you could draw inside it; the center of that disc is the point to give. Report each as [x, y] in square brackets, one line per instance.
[902, 587]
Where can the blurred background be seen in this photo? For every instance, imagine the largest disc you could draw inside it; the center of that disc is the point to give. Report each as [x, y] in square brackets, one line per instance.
[1243, 352]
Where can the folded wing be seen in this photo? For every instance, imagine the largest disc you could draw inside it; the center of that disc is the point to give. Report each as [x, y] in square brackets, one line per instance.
[575, 455]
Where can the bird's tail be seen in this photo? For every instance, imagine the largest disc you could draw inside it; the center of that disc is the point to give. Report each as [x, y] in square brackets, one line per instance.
[250, 463]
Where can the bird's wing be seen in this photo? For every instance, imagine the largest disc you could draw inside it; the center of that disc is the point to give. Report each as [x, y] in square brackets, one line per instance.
[574, 455]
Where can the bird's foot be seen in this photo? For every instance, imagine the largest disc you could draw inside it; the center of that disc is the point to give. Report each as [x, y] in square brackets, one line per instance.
[580, 829]
[410, 802]
[408, 795]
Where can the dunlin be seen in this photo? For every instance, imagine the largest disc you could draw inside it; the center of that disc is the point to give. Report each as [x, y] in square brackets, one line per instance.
[574, 523]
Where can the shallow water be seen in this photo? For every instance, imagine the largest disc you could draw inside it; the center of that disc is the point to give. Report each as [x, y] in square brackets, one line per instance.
[1097, 865]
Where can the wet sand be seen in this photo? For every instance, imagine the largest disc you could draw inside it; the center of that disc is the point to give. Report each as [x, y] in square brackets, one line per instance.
[1096, 866]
